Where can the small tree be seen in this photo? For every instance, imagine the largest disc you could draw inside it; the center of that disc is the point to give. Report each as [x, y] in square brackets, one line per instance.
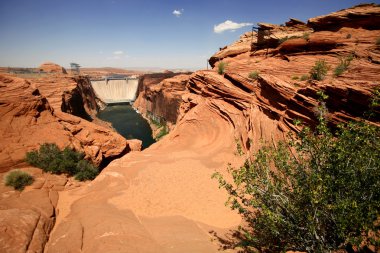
[317, 193]
[18, 179]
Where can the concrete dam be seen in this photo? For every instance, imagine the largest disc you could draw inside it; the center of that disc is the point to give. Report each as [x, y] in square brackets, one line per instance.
[116, 90]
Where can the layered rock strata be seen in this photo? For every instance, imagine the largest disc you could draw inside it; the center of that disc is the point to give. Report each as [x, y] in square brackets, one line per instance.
[163, 199]
[29, 119]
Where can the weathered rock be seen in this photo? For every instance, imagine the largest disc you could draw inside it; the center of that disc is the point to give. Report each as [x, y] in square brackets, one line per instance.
[162, 99]
[26, 218]
[163, 198]
[50, 67]
[366, 16]
[28, 121]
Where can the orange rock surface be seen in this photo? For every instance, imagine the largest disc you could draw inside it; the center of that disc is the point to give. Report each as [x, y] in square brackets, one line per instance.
[163, 198]
[28, 119]
[50, 67]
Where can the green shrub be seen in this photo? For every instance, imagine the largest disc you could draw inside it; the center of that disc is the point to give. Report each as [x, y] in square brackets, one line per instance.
[319, 70]
[306, 36]
[378, 41]
[283, 39]
[322, 196]
[343, 65]
[85, 171]
[18, 179]
[254, 75]
[163, 131]
[51, 159]
[295, 77]
[304, 77]
[221, 68]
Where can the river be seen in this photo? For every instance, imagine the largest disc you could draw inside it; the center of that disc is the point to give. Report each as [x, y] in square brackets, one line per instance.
[127, 122]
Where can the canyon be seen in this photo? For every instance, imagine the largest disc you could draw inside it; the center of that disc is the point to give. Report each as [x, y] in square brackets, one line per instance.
[163, 199]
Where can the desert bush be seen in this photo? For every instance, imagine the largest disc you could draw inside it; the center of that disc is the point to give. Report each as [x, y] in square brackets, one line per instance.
[319, 70]
[254, 75]
[306, 36]
[343, 65]
[304, 77]
[18, 179]
[321, 196]
[378, 41]
[295, 77]
[51, 159]
[85, 171]
[221, 67]
[163, 131]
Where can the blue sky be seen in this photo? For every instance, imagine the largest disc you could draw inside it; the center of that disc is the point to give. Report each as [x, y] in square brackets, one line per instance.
[136, 33]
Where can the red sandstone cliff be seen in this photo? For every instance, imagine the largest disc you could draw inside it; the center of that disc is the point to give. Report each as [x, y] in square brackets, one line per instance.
[163, 199]
[31, 115]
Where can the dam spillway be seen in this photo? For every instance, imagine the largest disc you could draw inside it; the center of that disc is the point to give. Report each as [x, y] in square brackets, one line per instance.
[116, 90]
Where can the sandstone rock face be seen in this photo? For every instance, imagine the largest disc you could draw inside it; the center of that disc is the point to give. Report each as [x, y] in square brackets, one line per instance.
[162, 99]
[163, 198]
[50, 67]
[366, 16]
[26, 218]
[28, 120]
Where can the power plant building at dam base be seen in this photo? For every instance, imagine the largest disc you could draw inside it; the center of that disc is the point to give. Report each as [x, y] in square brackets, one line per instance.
[116, 90]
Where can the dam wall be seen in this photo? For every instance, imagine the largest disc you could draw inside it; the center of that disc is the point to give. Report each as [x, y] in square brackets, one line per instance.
[114, 91]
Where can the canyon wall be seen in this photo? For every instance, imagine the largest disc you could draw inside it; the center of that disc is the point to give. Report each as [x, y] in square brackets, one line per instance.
[32, 114]
[163, 199]
[52, 109]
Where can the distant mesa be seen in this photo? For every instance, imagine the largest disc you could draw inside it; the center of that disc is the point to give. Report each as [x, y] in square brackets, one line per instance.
[50, 67]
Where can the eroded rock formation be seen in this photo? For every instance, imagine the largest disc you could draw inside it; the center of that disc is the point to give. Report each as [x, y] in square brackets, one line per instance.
[163, 199]
[50, 67]
[31, 117]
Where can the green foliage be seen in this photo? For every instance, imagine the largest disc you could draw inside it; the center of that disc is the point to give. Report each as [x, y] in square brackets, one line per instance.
[254, 75]
[163, 131]
[378, 41]
[221, 67]
[295, 77]
[321, 196]
[51, 159]
[304, 77]
[18, 179]
[306, 36]
[343, 65]
[85, 171]
[239, 148]
[319, 70]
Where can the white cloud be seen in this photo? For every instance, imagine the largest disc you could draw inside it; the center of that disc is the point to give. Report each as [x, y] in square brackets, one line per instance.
[229, 25]
[118, 52]
[178, 13]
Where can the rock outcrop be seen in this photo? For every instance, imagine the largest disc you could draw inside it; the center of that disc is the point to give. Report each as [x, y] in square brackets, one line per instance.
[163, 198]
[366, 16]
[27, 217]
[162, 99]
[165, 195]
[50, 67]
[28, 120]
